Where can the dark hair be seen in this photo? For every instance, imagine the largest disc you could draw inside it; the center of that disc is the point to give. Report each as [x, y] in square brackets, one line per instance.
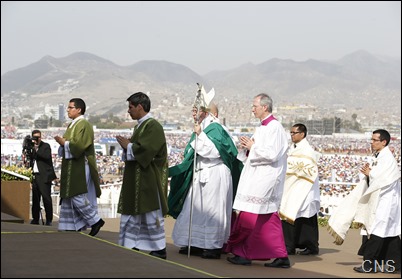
[301, 128]
[142, 99]
[384, 135]
[79, 104]
[36, 132]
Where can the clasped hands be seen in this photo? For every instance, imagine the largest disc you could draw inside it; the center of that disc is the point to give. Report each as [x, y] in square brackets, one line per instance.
[123, 141]
[366, 169]
[246, 142]
[60, 140]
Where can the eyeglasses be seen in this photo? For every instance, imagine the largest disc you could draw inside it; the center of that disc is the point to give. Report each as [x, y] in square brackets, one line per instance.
[292, 133]
[70, 107]
[375, 139]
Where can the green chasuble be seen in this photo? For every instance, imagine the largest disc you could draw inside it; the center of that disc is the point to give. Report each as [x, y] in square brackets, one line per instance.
[145, 179]
[81, 143]
[182, 174]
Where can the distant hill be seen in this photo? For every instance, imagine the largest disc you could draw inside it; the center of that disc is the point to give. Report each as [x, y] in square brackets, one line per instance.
[359, 79]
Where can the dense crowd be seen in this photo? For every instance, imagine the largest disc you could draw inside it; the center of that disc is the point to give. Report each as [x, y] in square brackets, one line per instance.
[338, 166]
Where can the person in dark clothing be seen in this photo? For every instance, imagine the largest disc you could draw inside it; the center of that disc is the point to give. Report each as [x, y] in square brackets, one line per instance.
[43, 175]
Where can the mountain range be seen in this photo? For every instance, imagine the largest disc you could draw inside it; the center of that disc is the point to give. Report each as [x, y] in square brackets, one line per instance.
[357, 80]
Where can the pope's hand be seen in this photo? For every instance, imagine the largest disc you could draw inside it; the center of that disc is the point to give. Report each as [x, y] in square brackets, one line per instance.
[197, 128]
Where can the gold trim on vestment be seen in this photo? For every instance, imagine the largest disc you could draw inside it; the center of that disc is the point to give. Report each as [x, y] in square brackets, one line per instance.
[286, 219]
[338, 240]
[300, 177]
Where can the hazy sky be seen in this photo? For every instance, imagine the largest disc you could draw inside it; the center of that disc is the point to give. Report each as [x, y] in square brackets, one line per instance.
[203, 36]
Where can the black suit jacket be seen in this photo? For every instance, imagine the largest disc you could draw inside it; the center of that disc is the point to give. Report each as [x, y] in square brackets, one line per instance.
[43, 158]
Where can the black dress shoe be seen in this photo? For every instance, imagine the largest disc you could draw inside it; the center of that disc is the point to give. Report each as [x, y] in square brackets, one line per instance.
[34, 222]
[48, 223]
[96, 227]
[306, 252]
[211, 254]
[279, 262]
[239, 260]
[160, 253]
[360, 269]
[194, 251]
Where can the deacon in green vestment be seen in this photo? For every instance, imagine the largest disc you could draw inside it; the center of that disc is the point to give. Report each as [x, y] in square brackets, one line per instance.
[143, 196]
[79, 180]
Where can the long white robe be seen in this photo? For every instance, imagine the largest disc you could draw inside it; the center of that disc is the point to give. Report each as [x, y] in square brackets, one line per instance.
[379, 208]
[261, 182]
[301, 197]
[212, 196]
[376, 205]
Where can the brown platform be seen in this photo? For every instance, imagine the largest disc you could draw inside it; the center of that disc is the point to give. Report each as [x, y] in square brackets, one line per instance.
[38, 251]
[10, 218]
